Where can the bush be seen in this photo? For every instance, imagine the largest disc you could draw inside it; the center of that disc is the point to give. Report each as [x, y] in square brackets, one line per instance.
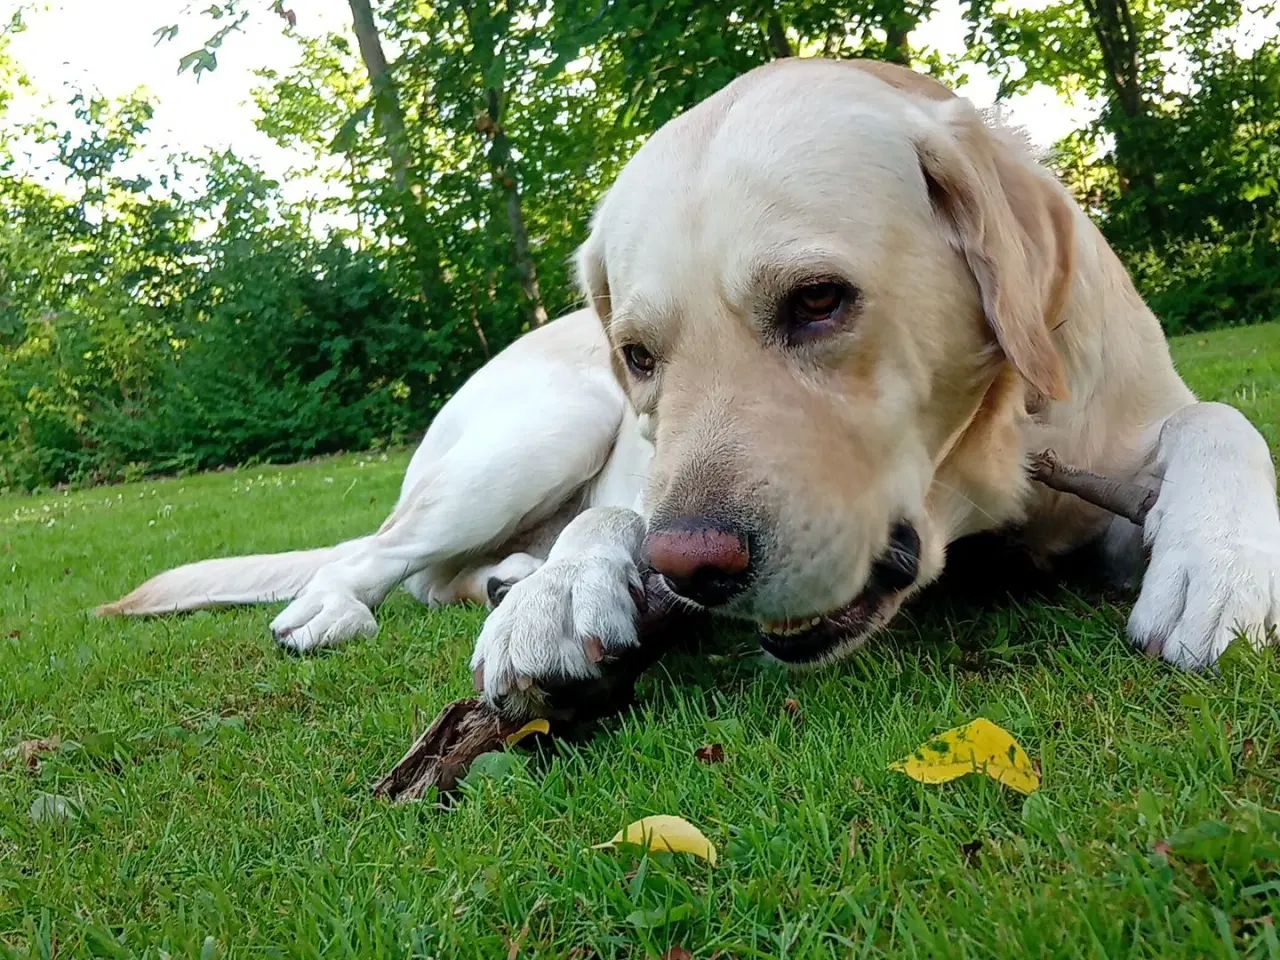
[130, 347]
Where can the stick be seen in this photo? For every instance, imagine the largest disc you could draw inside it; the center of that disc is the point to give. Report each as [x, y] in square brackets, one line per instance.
[468, 728]
[441, 756]
[1132, 501]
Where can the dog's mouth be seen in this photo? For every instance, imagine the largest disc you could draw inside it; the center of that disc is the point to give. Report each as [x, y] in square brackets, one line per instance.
[801, 640]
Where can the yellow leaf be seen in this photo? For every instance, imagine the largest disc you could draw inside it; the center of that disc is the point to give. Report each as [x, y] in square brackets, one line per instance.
[977, 747]
[533, 726]
[665, 833]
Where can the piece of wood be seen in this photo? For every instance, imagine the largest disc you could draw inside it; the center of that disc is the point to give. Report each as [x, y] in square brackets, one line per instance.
[441, 756]
[468, 728]
[1130, 500]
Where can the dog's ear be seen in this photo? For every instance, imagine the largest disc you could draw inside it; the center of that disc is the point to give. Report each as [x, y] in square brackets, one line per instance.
[1014, 227]
[593, 277]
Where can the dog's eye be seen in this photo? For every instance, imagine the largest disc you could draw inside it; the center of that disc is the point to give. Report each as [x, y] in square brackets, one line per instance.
[816, 306]
[639, 360]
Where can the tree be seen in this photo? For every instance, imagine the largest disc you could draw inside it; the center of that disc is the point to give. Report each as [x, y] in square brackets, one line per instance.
[1113, 50]
[668, 55]
[1179, 167]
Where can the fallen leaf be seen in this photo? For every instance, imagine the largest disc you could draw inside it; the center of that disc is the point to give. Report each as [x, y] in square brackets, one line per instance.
[677, 953]
[50, 806]
[660, 916]
[514, 950]
[528, 730]
[711, 753]
[28, 752]
[977, 747]
[665, 833]
[494, 766]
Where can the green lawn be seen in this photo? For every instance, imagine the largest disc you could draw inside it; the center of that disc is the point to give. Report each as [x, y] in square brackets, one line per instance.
[217, 792]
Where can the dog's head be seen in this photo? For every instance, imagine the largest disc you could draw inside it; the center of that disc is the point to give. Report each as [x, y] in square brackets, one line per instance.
[810, 283]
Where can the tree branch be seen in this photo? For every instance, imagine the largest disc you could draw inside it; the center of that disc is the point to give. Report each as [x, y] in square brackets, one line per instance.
[776, 33]
[1132, 501]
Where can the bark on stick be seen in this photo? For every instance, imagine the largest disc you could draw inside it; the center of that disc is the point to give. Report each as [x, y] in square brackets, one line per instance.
[1130, 500]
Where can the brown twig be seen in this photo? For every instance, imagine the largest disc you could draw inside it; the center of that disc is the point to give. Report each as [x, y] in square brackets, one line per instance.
[466, 729]
[441, 756]
[1132, 501]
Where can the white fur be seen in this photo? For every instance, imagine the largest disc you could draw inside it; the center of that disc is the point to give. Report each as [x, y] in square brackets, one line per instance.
[585, 590]
[1214, 539]
[526, 435]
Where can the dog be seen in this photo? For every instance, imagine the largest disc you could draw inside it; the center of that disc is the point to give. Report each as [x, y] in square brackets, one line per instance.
[831, 311]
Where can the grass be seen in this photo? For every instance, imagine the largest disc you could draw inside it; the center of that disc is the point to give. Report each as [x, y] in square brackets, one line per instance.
[216, 793]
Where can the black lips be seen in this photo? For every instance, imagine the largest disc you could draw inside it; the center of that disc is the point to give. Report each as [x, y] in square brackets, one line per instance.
[899, 565]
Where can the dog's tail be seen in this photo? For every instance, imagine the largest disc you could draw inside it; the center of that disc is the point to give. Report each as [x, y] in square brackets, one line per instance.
[227, 581]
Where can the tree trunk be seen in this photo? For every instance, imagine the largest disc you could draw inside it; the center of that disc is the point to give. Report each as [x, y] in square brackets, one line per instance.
[504, 179]
[776, 34]
[1117, 35]
[1121, 48]
[897, 46]
[390, 118]
[386, 103]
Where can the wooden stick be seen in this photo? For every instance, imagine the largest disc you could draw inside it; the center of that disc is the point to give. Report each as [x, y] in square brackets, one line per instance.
[1132, 501]
[441, 756]
[468, 728]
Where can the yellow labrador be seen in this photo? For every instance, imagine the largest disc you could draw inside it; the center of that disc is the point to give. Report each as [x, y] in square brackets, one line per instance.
[831, 314]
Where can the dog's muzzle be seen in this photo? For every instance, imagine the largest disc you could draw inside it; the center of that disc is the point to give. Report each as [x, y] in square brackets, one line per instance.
[812, 639]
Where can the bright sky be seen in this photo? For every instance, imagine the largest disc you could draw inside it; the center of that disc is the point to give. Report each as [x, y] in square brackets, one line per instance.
[94, 44]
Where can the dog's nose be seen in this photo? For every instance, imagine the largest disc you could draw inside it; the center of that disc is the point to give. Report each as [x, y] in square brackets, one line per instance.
[705, 560]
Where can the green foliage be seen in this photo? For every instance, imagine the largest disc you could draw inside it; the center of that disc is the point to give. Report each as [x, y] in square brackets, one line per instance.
[1211, 254]
[143, 334]
[1182, 167]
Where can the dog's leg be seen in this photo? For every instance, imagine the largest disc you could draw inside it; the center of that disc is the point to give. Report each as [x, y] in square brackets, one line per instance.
[506, 474]
[1213, 537]
[487, 583]
[567, 619]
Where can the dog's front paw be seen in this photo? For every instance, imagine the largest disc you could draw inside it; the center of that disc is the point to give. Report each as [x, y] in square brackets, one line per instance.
[1210, 580]
[322, 618]
[560, 626]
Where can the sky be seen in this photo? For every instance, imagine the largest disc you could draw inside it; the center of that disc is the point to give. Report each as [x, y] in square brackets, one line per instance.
[94, 44]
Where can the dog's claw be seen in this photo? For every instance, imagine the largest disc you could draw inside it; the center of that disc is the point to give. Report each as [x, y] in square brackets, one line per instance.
[640, 597]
